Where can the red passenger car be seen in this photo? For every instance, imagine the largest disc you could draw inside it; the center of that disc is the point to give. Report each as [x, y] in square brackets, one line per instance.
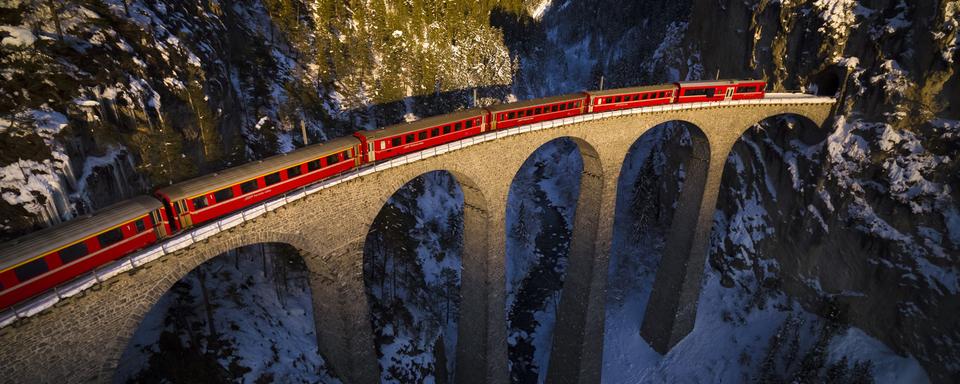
[635, 97]
[719, 90]
[42, 260]
[400, 139]
[749, 89]
[510, 115]
[208, 197]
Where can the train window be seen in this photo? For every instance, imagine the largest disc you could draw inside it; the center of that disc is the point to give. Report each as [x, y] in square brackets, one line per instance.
[140, 225]
[435, 132]
[200, 202]
[223, 194]
[292, 172]
[608, 100]
[563, 107]
[332, 159]
[570, 105]
[73, 252]
[409, 139]
[669, 93]
[553, 108]
[458, 126]
[347, 155]
[616, 99]
[469, 123]
[395, 142]
[251, 185]
[272, 179]
[536, 111]
[446, 129]
[31, 269]
[699, 92]
[110, 237]
[311, 166]
[636, 97]
[422, 135]
[747, 89]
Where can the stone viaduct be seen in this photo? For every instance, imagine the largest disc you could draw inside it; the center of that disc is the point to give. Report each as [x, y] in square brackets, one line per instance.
[81, 338]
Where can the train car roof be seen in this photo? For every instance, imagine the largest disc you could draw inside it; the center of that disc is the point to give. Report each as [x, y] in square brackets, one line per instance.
[244, 172]
[534, 102]
[50, 239]
[706, 83]
[426, 122]
[620, 91]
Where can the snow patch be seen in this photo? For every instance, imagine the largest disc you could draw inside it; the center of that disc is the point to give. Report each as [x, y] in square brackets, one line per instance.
[19, 37]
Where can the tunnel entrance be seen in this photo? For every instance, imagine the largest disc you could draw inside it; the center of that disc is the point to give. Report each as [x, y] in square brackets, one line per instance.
[826, 82]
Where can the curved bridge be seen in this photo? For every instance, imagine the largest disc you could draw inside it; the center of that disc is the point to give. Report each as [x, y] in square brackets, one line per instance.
[81, 338]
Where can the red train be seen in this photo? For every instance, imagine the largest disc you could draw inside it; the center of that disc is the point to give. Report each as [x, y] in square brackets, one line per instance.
[42, 260]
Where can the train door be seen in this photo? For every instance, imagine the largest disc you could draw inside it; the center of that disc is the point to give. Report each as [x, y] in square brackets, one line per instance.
[159, 223]
[729, 94]
[183, 213]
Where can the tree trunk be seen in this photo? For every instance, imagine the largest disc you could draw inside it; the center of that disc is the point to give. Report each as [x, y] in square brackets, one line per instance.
[440, 357]
[211, 327]
[55, 11]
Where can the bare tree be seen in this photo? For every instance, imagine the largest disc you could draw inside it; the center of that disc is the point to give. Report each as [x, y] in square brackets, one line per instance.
[55, 11]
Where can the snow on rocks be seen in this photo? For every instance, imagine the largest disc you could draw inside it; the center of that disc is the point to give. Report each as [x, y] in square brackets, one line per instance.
[19, 37]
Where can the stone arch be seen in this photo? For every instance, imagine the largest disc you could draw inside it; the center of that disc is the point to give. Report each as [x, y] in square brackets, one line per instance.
[779, 165]
[472, 336]
[187, 260]
[571, 316]
[808, 118]
[681, 146]
[677, 271]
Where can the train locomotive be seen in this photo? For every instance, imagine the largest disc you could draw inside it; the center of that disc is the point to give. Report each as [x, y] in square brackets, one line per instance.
[42, 260]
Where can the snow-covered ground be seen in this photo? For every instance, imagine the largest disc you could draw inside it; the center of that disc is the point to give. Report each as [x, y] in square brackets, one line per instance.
[539, 220]
[733, 338]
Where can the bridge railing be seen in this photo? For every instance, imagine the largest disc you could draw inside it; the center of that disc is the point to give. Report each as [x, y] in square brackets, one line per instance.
[200, 233]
